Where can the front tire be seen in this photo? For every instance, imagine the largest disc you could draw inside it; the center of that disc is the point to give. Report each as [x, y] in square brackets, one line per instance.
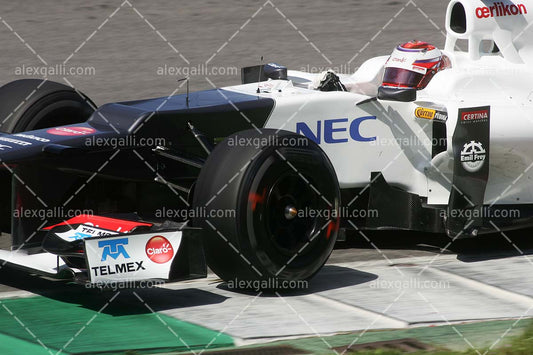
[285, 198]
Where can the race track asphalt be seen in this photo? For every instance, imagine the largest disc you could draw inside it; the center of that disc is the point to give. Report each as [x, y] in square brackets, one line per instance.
[131, 49]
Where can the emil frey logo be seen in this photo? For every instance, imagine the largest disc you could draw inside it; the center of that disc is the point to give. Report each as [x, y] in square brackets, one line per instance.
[473, 156]
[114, 248]
[159, 250]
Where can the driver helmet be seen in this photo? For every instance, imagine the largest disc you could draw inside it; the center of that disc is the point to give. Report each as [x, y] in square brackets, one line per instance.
[412, 65]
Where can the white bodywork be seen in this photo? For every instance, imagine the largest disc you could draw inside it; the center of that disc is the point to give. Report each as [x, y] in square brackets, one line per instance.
[401, 143]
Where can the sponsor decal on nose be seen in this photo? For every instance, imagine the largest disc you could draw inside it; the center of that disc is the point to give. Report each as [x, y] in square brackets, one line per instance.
[71, 131]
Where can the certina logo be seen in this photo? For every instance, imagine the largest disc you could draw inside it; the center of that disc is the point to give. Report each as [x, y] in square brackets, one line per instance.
[473, 156]
[71, 131]
[113, 248]
[335, 131]
[475, 115]
[500, 9]
[159, 250]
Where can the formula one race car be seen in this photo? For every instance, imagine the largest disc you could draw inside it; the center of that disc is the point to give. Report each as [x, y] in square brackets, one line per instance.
[257, 180]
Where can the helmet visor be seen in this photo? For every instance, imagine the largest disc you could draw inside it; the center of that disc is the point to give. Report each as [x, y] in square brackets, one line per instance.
[397, 77]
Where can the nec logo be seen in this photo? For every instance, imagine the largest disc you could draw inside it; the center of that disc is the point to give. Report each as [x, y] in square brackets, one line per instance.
[335, 131]
[114, 248]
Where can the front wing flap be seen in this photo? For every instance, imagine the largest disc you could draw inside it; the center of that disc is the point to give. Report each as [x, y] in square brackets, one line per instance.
[130, 258]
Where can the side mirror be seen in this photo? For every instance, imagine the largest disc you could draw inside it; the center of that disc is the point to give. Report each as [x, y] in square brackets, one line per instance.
[263, 72]
[396, 94]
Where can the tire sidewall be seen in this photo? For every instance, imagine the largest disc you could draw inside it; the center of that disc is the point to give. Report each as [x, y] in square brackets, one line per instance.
[32, 118]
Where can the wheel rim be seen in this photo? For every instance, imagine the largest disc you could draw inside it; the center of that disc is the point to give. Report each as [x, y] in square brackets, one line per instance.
[279, 204]
[284, 217]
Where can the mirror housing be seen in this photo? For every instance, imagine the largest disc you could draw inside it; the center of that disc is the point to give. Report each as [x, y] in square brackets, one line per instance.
[396, 94]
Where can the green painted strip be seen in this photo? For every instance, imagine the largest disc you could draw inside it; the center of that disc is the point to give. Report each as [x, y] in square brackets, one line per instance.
[122, 325]
[14, 346]
[480, 334]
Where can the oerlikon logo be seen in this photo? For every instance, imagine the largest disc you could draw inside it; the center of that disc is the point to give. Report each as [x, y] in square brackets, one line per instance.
[499, 9]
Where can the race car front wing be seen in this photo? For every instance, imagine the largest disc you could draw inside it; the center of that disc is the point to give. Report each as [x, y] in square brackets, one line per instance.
[86, 252]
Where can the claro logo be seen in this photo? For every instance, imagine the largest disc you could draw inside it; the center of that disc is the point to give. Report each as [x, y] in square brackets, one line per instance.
[159, 250]
[500, 9]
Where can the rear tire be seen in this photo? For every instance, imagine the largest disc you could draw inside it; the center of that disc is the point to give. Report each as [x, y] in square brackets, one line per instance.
[269, 187]
[31, 104]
